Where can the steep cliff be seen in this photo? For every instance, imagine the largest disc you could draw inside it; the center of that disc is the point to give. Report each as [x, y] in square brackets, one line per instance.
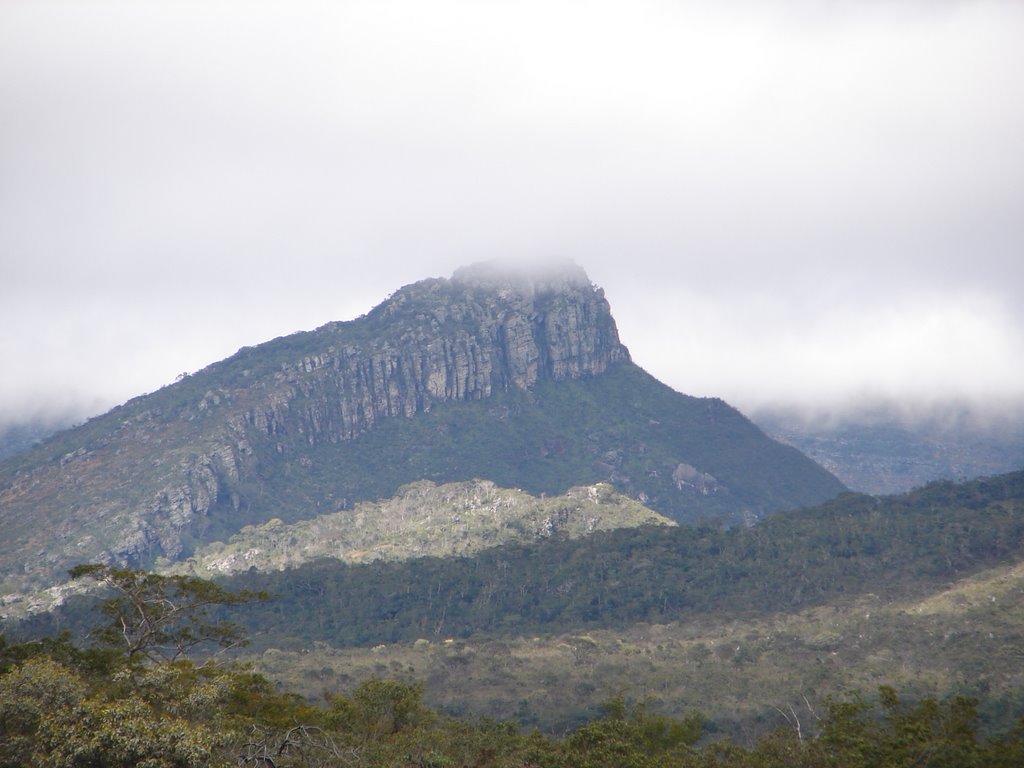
[481, 375]
[435, 341]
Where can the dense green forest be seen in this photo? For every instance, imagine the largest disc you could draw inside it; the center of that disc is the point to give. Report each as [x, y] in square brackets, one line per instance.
[136, 699]
[899, 546]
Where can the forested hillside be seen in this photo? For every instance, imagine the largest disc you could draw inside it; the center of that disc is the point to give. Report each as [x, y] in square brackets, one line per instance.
[894, 547]
[921, 590]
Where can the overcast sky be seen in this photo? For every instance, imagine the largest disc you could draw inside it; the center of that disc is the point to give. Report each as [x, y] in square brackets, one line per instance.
[804, 202]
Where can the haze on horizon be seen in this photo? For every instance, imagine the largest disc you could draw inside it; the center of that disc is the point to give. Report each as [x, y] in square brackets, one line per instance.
[815, 204]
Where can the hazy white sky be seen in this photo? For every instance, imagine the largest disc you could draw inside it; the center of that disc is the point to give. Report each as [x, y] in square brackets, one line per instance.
[784, 200]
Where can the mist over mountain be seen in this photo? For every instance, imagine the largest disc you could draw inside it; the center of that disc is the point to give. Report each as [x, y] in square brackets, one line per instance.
[885, 446]
[20, 436]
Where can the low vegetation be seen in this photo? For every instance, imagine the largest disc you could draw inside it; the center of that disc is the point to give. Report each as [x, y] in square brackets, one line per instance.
[110, 705]
[743, 673]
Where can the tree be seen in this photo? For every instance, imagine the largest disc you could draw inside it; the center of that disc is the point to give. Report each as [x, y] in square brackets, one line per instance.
[29, 693]
[632, 738]
[379, 708]
[163, 618]
[938, 734]
[49, 717]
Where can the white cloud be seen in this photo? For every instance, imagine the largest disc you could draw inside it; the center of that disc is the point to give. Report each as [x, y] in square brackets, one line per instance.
[759, 350]
[819, 199]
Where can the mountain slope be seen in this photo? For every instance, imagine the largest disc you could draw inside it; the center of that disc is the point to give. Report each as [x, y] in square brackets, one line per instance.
[496, 375]
[21, 437]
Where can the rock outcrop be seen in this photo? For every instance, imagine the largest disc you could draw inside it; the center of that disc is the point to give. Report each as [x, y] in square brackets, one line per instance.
[424, 519]
[483, 331]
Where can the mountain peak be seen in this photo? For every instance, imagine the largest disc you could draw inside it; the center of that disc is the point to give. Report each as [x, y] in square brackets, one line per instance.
[502, 284]
[506, 326]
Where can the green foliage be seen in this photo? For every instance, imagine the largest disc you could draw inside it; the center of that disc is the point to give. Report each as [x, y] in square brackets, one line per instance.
[123, 734]
[637, 739]
[378, 708]
[50, 717]
[163, 618]
[176, 715]
[930, 732]
[64, 706]
[29, 693]
[60, 648]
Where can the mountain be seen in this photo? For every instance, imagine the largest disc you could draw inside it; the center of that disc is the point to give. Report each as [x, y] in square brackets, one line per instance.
[515, 378]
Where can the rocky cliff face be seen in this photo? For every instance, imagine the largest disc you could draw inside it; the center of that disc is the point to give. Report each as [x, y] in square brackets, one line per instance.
[445, 340]
[141, 481]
